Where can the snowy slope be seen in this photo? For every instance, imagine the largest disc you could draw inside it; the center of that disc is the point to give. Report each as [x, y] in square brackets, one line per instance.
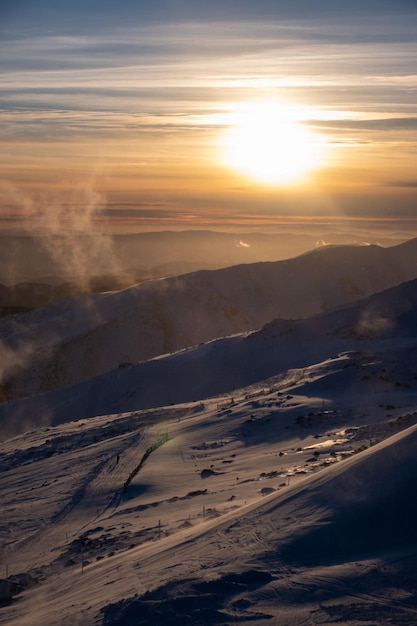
[378, 329]
[86, 336]
[291, 505]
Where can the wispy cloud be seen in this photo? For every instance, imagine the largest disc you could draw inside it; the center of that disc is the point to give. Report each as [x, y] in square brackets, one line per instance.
[406, 184]
[143, 102]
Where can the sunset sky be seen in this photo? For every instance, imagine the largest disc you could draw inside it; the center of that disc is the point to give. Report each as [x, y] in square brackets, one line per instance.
[138, 115]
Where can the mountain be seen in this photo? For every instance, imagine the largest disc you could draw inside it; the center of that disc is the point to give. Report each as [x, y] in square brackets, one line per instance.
[375, 332]
[79, 338]
[26, 296]
[76, 257]
[264, 477]
[290, 502]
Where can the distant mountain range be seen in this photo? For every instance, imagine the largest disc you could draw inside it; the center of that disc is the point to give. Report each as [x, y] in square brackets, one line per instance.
[85, 259]
[37, 271]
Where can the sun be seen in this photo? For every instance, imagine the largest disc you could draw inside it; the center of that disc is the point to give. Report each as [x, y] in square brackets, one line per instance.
[267, 143]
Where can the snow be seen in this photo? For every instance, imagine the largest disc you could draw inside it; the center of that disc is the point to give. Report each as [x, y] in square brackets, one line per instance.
[381, 359]
[88, 545]
[82, 337]
[277, 488]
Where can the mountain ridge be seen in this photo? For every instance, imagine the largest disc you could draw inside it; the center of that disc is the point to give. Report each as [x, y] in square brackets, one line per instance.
[83, 337]
[381, 324]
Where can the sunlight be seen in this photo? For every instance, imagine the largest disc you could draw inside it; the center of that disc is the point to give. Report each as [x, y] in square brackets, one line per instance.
[267, 142]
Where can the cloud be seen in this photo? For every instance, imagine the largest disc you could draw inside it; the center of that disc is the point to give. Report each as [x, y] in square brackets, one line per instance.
[372, 323]
[14, 357]
[66, 224]
[406, 184]
[384, 124]
[82, 15]
[103, 92]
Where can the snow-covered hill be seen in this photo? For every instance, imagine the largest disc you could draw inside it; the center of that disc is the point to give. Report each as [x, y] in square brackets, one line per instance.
[379, 333]
[291, 503]
[265, 477]
[80, 338]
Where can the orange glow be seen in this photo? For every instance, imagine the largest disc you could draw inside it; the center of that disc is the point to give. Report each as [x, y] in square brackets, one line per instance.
[268, 144]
